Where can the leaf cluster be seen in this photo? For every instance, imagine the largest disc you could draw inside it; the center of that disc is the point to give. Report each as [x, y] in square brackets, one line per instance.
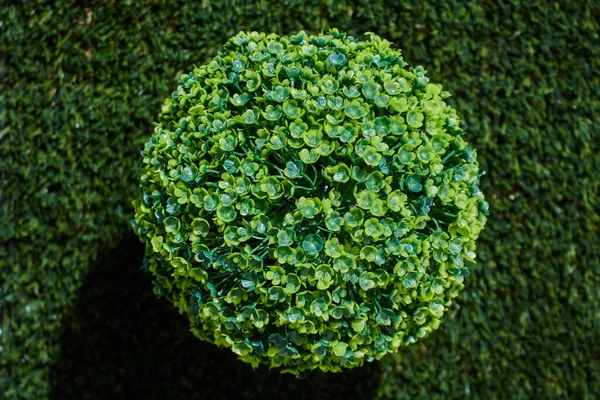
[309, 201]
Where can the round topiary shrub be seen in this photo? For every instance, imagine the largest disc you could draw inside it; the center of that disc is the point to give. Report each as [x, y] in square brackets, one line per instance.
[309, 201]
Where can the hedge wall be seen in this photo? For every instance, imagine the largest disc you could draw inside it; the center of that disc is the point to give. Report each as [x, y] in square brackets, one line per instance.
[81, 83]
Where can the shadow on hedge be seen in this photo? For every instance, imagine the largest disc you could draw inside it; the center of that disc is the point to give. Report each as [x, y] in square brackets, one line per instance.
[120, 341]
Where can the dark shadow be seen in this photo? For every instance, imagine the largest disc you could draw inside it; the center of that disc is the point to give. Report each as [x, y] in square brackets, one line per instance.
[120, 341]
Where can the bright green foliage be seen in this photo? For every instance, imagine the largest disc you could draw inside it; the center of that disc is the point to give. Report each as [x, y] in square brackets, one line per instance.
[285, 237]
[81, 83]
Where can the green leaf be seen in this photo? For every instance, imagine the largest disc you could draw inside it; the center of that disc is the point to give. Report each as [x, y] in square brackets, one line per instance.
[318, 307]
[367, 281]
[333, 248]
[335, 103]
[286, 237]
[157, 242]
[309, 156]
[292, 109]
[382, 100]
[436, 308]
[253, 80]
[413, 182]
[298, 128]
[249, 281]
[313, 137]
[368, 253]
[308, 207]
[411, 280]
[180, 264]
[373, 228]
[344, 263]
[210, 202]
[294, 315]
[250, 116]
[325, 148]
[366, 199]
[337, 59]
[375, 181]
[340, 173]
[312, 244]
[426, 154]
[242, 348]
[329, 84]
[226, 213]
[398, 126]
[239, 100]
[355, 109]
[231, 236]
[409, 247]
[370, 89]
[339, 350]
[275, 274]
[293, 169]
[272, 187]
[392, 87]
[276, 293]
[371, 156]
[358, 174]
[277, 141]
[354, 217]
[292, 283]
[349, 134]
[188, 174]
[358, 325]
[334, 221]
[324, 275]
[200, 227]
[284, 254]
[172, 225]
[272, 113]
[279, 93]
[415, 119]
[383, 125]
[227, 143]
[405, 155]
[351, 92]
[248, 167]
[396, 201]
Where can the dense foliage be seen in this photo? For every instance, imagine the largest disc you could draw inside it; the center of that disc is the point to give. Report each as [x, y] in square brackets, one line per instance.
[309, 201]
[83, 81]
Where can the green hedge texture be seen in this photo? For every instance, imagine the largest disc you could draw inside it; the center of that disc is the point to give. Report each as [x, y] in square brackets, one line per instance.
[309, 201]
[81, 86]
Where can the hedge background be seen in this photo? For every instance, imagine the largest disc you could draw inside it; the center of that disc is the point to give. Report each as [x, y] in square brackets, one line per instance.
[81, 83]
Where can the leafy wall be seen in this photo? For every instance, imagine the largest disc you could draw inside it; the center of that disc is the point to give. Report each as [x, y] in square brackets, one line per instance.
[81, 86]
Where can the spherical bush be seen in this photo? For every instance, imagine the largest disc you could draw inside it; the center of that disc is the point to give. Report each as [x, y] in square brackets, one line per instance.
[309, 201]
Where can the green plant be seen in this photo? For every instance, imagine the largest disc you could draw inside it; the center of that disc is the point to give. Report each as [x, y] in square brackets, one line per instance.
[309, 201]
[77, 100]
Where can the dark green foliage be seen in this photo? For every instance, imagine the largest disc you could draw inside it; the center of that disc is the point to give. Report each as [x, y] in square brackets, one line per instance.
[309, 201]
[80, 86]
[524, 77]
